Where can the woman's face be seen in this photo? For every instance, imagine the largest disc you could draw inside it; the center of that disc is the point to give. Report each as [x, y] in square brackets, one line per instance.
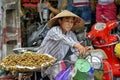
[66, 24]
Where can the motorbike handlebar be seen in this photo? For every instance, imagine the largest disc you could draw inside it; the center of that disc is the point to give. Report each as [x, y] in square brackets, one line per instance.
[84, 39]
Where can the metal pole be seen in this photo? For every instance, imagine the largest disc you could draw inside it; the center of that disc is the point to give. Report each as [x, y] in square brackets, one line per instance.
[0, 29]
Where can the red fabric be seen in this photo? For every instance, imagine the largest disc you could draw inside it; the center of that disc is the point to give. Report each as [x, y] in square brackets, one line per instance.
[29, 5]
[109, 11]
[28, 1]
[63, 65]
[34, 1]
[8, 77]
[25, 1]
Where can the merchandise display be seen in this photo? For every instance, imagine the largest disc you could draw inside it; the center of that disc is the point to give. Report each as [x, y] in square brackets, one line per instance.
[26, 62]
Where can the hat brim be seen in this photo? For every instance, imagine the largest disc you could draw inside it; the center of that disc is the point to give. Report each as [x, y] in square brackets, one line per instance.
[79, 23]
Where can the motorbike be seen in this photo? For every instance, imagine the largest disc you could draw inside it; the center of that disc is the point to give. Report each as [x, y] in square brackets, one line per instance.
[101, 37]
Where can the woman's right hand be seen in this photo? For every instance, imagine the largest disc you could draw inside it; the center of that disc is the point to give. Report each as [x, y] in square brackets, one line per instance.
[81, 49]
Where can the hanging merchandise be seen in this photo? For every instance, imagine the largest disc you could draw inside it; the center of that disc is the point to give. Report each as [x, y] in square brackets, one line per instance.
[98, 74]
[77, 75]
[95, 61]
[82, 66]
[91, 74]
[95, 57]
[64, 74]
[45, 13]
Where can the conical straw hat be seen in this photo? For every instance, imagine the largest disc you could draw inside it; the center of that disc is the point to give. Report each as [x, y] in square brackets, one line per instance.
[79, 23]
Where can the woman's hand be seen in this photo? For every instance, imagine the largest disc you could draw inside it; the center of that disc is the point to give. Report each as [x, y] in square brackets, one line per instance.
[81, 49]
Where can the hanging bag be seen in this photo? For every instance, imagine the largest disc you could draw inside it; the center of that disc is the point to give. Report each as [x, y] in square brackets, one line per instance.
[64, 74]
[82, 66]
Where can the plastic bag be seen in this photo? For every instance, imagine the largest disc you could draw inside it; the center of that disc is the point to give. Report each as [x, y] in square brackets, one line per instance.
[64, 74]
[55, 69]
[78, 75]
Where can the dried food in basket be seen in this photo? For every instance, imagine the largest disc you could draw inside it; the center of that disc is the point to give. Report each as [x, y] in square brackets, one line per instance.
[27, 61]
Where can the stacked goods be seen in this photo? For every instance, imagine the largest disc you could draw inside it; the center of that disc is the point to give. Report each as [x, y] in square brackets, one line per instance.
[27, 61]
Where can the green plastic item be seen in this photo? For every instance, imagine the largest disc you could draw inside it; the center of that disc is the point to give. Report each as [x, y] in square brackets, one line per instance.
[82, 65]
[77, 75]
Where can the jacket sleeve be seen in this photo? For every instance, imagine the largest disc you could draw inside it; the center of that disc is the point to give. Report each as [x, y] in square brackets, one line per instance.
[56, 34]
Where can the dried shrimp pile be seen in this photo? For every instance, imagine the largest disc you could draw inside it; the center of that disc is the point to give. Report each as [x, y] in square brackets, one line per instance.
[28, 59]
